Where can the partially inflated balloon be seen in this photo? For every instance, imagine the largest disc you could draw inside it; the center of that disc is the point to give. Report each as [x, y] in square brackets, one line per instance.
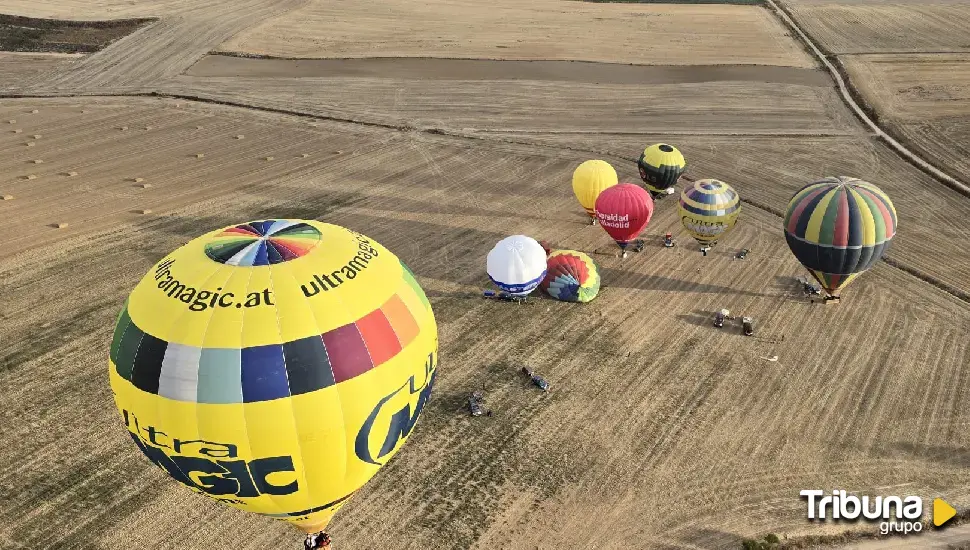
[275, 365]
[624, 210]
[709, 209]
[589, 180]
[839, 227]
[571, 276]
[660, 166]
[516, 264]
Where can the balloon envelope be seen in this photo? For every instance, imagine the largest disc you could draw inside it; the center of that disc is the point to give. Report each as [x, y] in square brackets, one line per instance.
[660, 166]
[571, 276]
[624, 210]
[708, 210]
[516, 264]
[589, 180]
[839, 227]
[275, 365]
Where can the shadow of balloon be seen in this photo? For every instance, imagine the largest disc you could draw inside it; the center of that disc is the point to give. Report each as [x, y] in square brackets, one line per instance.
[698, 317]
[467, 294]
[618, 278]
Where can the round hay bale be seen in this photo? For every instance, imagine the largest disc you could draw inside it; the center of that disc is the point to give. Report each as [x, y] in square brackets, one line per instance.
[7, 197]
[35, 111]
[17, 131]
[137, 180]
[59, 225]
[30, 177]
[84, 110]
[198, 127]
[144, 211]
[145, 185]
[338, 152]
[270, 158]
[305, 155]
[70, 174]
[148, 127]
[37, 136]
[240, 136]
[122, 128]
[30, 144]
[37, 161]
[12, 121]
[199, 155]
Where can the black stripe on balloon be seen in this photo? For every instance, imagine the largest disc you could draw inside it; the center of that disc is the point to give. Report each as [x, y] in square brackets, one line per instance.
[125, 358]
[124, 321]
[307, 365]
[148, 363]
[856, 233]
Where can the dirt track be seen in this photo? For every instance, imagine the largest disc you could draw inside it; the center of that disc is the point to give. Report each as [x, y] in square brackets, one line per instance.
[671, 433]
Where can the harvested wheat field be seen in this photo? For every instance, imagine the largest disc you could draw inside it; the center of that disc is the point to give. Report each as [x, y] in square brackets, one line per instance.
[18, 70]
[924, 98]
[660, 431]
[544, 29]
[689, 441]
[852, 27]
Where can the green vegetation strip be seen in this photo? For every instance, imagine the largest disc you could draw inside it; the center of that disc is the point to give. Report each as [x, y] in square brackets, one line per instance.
[29, 34]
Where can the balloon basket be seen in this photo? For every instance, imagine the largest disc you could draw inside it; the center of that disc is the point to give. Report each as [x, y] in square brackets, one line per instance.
[624, 255]
[831, 300]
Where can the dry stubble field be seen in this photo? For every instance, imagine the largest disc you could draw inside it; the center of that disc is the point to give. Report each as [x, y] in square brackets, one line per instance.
[543, 29]
[923, 97]
[909, 61]
[671, 433]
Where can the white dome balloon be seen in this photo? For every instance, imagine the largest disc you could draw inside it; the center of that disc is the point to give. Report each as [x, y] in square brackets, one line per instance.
[517, 264]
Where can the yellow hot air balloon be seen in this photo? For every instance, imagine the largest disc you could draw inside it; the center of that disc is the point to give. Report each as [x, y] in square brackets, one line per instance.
[589, 180]
[709, 209]
[275, 365]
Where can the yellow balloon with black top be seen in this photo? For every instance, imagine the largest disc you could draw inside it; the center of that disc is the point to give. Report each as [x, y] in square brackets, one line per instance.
[660, 167]
[275, 365]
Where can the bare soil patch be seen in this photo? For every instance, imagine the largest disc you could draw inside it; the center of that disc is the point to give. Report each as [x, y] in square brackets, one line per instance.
[27, 34]
[647, 34]
[500, 70]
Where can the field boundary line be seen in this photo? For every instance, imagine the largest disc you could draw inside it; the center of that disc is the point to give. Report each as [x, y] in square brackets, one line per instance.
[849, 94]
[929, 279]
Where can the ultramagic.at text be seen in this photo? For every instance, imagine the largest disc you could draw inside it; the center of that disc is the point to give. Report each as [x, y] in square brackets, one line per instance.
[839, 505]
